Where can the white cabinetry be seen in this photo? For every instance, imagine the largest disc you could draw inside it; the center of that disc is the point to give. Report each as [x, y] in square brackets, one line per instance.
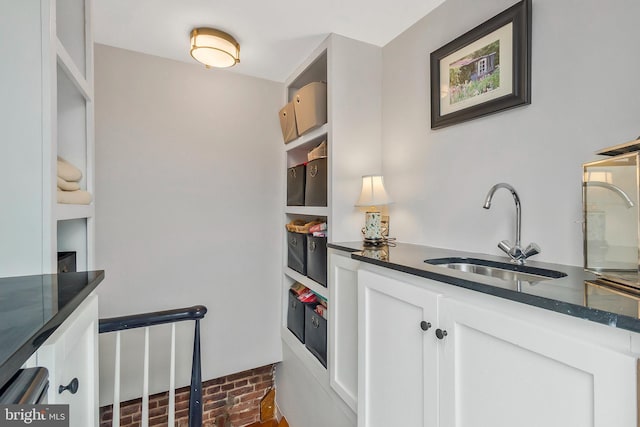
[485, 366]
[501, 371]
[71, 356]
[46, 111]
[343, 326]
[398, 377]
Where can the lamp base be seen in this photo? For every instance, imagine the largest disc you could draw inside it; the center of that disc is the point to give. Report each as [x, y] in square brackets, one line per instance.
[374, 242]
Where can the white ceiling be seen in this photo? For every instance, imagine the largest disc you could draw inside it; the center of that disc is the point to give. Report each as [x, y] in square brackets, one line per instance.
[275, 36]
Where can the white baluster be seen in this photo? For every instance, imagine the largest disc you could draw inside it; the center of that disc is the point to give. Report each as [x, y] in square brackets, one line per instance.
[145, 385]
[116, 385]
[172, 378]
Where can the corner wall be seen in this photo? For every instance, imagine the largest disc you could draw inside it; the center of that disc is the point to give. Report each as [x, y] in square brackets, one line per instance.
[187, 195]
[585, 96]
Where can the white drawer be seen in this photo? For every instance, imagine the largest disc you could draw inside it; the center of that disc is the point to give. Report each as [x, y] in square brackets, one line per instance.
[71, 355]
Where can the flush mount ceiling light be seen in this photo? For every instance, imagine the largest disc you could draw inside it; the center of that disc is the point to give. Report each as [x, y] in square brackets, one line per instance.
[214, 48]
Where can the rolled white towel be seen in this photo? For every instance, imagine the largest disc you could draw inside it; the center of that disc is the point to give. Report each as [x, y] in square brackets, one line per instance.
[78, 197]
[68, 185]
[67, 171]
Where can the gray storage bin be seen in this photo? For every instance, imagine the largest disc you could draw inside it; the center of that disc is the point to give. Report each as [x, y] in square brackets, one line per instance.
[317, 259]
[295, 185]
[315, 193]
[315, 334]
[295, 316]
[297, 252]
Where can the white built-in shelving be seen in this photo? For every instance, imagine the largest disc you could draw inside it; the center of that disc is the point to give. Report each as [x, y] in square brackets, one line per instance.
[295, 153]
[72, 130]
[353, 73]
[46, 111]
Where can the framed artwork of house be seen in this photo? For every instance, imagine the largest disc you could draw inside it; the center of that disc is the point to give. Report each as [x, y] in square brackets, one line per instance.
[486, 70]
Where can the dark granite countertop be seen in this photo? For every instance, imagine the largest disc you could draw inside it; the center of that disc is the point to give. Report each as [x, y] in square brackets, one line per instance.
[578, 294]
[32, 308]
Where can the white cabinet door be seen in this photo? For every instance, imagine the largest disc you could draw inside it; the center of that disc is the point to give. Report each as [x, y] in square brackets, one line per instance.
[71, 352]
[343, 327]
[500, 371]
[397, 383]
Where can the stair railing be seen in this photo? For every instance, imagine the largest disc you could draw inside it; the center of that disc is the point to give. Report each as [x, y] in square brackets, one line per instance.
[146, 320]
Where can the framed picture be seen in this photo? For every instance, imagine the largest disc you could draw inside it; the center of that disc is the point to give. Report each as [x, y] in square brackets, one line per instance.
[486, 70]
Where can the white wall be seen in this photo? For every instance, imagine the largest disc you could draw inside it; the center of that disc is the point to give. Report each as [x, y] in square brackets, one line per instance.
[187, 197]
[585, 96]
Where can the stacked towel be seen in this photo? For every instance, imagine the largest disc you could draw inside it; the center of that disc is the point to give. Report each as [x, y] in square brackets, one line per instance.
[69, 191]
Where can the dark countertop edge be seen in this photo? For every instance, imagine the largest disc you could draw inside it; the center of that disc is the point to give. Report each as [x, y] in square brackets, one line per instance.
[344, 247]
[11, 366]
[591, 314]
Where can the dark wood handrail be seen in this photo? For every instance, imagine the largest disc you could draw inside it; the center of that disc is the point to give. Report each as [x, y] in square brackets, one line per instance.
[194, 313]
[133, 321]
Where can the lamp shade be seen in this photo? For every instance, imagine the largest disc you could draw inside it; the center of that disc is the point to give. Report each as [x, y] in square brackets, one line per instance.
[373, 192]
[214, 48]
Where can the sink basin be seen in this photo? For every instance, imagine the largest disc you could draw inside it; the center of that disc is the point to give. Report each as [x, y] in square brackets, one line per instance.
[499, 270]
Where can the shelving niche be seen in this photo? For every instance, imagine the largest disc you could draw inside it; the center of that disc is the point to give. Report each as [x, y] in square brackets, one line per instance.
[353, 73]
[73, 127]
[295, 153]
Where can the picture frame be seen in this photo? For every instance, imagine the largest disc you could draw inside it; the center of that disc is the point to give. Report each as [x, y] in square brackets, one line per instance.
[486, 70]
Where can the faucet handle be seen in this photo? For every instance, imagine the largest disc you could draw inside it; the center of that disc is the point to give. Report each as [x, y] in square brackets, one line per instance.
[531, 250]
[505, 246]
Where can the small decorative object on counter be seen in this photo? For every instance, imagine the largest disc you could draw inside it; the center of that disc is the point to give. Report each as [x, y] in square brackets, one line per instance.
[373, 194]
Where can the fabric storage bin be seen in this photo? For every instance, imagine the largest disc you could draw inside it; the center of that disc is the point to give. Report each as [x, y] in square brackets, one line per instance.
[315, 333]
[297, 252]
[310, 104]
[317, 259]
[66, 262]
[315, 193]
[288, 123]
[318, 152]
[295, 185]
[295, 316]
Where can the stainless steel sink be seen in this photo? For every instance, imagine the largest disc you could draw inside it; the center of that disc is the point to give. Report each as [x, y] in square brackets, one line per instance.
[501, 270]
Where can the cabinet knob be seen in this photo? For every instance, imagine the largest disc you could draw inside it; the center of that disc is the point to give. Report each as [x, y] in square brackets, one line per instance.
[72, 387]
[441, 333]
[425, 325]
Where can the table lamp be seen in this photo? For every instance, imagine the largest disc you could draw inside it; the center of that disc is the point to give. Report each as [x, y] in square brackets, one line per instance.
[373, 195]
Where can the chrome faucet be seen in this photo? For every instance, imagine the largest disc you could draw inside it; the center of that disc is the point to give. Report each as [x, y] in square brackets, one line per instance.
[515, 251]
